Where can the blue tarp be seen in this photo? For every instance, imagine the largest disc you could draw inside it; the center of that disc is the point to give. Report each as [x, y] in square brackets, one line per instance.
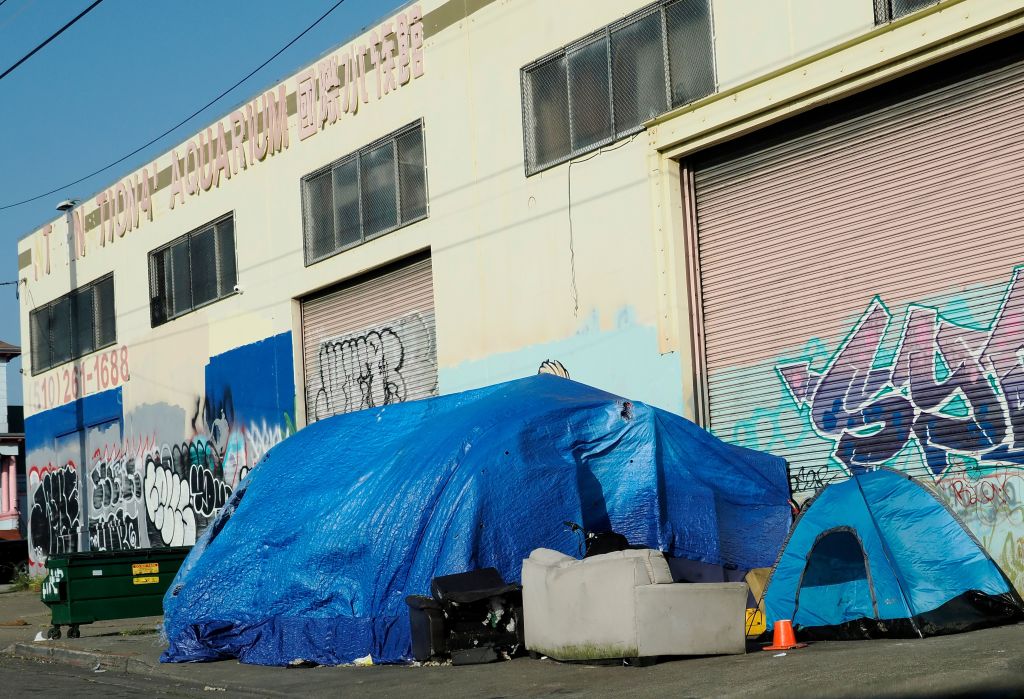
[881, 548]
[314, 553]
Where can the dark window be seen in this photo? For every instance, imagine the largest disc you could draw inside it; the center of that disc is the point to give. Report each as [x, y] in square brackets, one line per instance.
[546, 112]
[376, 190]
[888, 10]
[590, 118]
[73, 325]
[607, 85]
[83, 308]
[378, 183]
[690, 50]
[638, 72]
[60, 330]
[196, 269]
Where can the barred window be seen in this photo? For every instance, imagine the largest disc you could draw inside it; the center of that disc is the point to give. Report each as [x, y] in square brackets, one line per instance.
[73, 325]
[192, 271]
[376, 190]
[888, 10]
[606, 85]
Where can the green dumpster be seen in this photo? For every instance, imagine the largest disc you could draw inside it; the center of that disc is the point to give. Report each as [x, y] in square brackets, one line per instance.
[81, 588]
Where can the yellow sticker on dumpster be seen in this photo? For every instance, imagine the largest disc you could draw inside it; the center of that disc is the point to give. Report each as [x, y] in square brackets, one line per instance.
[145, 580]
[143, 568]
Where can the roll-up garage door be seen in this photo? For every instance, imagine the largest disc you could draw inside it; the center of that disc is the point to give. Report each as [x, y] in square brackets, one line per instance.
[370, 342]
[859, 298]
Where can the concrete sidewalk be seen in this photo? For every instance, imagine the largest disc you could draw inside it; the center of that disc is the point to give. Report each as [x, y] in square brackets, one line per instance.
[989, 662]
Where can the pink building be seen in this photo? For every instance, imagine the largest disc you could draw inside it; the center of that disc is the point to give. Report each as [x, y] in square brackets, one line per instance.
[12, 447]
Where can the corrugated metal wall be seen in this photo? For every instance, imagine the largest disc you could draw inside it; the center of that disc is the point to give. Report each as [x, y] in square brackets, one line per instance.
[833, 256]
[370, 343]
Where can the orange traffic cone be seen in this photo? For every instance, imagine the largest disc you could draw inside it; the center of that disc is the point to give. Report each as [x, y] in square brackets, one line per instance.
[783, 637]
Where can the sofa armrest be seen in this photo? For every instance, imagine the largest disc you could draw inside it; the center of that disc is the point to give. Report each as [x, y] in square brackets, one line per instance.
[691, 618]
[583, 610]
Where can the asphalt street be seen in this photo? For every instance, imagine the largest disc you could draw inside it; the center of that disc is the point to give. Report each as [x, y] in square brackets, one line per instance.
[121, 658]
[28, 678]
[987, 663]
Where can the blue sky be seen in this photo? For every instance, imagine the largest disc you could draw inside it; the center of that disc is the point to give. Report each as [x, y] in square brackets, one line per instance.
[127, 71]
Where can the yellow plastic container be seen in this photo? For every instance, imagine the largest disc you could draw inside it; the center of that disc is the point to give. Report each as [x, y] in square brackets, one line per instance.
[755, 623]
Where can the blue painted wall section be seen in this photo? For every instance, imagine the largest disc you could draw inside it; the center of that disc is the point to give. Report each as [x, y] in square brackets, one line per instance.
[42, 428]
[624, 360]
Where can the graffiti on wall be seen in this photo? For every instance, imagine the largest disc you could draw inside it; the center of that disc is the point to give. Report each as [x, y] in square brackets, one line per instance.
[164, 482]
[553, 366]
[376, 366]
[116, 491]
[54, 516]
[992, 506]
[940, 400]
[164, 494]
[953, 390]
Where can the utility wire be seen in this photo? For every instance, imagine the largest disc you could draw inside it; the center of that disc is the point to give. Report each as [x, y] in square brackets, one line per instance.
[2, 2]
[572, 240]
[53, 36]
[183, 121]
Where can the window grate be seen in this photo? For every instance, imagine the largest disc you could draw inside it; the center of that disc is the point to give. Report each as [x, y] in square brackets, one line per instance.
[888, 10]
[192, 271]
[374, 191]
[605, 86]
[73, 325]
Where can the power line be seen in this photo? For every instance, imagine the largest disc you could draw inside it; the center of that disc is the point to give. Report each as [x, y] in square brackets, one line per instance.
[183, 121]
[53, 36]
[2, 2]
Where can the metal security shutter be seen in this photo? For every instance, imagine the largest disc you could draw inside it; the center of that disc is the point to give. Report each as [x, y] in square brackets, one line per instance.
[851, 215]
[370, 343]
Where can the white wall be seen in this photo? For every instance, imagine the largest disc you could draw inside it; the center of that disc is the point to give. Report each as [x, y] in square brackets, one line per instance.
[754, 37]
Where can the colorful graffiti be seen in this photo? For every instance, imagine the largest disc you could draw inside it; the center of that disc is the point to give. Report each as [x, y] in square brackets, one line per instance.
[164, 482]
[957, 391]
[369, 368]
[939, 399]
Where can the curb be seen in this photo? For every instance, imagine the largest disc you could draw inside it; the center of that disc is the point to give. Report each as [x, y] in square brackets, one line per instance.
[113, 662]
[81, 658]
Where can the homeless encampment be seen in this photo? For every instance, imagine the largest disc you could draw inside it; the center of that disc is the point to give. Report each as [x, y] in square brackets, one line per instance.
[313, 555]
[879, 556]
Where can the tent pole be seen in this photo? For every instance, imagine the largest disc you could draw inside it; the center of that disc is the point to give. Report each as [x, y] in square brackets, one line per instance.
[885, 552]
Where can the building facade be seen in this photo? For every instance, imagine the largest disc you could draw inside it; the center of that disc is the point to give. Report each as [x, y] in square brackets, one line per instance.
[793, 222]
[12, 463]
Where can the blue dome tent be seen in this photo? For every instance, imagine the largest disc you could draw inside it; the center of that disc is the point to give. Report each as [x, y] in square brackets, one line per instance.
[880, 556]
[314, 553]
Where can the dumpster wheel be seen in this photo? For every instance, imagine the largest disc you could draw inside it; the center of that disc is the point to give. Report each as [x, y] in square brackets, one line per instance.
[54, 633]
[73, 631]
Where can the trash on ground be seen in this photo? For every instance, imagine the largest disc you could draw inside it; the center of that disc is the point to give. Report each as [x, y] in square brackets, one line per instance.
[299, 662]
[473, 617]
